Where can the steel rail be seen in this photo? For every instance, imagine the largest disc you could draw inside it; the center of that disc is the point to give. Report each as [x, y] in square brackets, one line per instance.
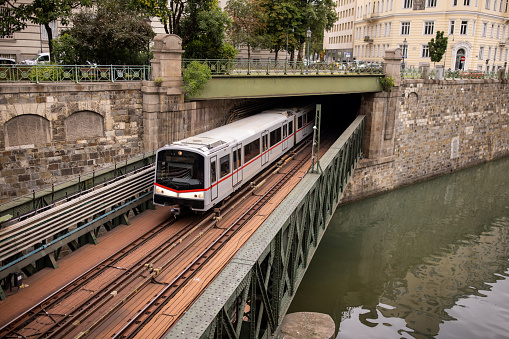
[38, 228]
[135, 323]
[79, 281]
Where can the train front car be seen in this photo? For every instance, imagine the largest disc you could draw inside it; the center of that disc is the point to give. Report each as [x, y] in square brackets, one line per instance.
[179, 179]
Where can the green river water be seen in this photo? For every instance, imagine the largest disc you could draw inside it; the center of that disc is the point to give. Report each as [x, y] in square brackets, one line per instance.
[426, 261]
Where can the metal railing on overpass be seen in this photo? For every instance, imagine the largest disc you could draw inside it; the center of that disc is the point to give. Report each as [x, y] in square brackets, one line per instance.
[73, 73]
[239, 67]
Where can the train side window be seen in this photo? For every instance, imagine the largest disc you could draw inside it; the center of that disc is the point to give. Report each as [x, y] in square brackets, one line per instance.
[251, 150]
[213, 174]
[275, 137]
[290, 128]
[299, 122]
[236, 159]
[224, 162]
[307, 117]
[265, 142]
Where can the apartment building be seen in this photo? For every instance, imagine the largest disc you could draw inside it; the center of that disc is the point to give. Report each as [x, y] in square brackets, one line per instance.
[478, 31]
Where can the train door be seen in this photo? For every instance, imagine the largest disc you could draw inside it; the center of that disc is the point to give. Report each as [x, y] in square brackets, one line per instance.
[265, 147]
[237, 164]
[285, 135]
[213, 178]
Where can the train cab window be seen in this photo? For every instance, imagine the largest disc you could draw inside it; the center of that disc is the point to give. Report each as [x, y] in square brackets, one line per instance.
[299, 122]
[224, 162]
[275, 137]
[290, 128]
[213, 174]
[180, 170]
[251, 150]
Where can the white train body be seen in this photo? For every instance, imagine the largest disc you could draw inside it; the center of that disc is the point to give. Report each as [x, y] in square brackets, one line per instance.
[200, 171]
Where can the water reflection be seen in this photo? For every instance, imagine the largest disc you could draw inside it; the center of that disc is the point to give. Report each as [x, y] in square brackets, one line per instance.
[405, 264]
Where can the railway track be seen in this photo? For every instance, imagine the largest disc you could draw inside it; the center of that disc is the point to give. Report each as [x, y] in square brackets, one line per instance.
[85, 306]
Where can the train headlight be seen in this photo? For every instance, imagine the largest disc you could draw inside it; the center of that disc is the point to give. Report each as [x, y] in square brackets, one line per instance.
[158, 190]
[201, 195]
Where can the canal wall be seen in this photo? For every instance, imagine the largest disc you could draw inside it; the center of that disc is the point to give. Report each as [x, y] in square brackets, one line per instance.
[427, 128]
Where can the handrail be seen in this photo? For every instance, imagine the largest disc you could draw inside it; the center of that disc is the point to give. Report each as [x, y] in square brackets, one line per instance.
[41, 227]
[72, 73]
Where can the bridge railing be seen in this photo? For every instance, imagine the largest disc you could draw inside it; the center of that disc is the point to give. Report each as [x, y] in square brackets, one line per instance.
[417, 73]
[230, 67]
[73, 73]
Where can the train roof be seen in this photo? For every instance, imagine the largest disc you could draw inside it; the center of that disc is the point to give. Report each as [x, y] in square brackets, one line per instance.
[236, 131]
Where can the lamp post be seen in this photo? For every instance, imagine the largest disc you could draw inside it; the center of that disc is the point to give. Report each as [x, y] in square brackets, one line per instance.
[308, 35]
[487, 67]
[403, 55]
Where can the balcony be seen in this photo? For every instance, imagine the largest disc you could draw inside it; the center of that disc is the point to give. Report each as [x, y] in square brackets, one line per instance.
[371, 17]
[368, 39]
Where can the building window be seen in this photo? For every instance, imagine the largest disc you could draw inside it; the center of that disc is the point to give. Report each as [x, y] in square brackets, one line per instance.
[484, 29]
[424, 51]
[488, 4]
[451, 27]
[466, 2]
[494, 5]
[431, 3]
[405, 28]
[5, 11]
[389, 29]
[455, 2]
[54, 31]
[429, 27]
[489, 52]
[404, 50]
[492, 30]
[506, 5]
[481, 53]
[473, 28]
[464, 27]
[407, 4]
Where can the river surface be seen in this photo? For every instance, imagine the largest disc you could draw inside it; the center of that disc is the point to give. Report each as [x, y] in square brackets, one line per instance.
[426, 261]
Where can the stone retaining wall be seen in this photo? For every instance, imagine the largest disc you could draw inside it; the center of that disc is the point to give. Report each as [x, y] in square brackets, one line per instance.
[439, 127]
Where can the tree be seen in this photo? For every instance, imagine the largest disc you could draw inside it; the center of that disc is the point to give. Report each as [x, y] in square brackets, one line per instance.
[203, 31]
[115, 33]
[170, 12]
[247, 24]
[38, 12]
[437, 47]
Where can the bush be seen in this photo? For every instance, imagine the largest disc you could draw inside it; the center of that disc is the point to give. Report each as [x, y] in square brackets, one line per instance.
[387, 83]
[195, 77]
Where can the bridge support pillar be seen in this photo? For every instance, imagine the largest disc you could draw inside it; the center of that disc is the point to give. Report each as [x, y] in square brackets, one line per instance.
[163, 94]
[380, 111]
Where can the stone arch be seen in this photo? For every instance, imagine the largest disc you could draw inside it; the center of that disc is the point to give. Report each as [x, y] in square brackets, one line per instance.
[84, 125]
[413, 98]
[27, 129]
[467, 48]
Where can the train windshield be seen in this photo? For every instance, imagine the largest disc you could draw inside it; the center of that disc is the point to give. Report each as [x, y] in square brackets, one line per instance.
[180, 170]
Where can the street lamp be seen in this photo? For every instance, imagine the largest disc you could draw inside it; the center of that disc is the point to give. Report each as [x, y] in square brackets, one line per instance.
[487, 67]
[403, 55]
[308, 35]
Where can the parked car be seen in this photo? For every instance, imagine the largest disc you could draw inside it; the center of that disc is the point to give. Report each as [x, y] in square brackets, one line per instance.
[6, 61]
[41, 58]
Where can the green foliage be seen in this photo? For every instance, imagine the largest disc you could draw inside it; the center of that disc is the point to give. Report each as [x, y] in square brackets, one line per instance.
[387, 83]
[38, 12]
[195, 77]
[437, 47]
[317, 15]
[247, 24]
[46, 73]
[204, 31]
[115, 33]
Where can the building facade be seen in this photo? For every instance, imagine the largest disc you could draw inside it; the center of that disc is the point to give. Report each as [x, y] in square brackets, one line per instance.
[478, 31]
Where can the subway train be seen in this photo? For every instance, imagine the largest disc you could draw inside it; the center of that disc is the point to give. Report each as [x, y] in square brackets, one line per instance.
[199, 172]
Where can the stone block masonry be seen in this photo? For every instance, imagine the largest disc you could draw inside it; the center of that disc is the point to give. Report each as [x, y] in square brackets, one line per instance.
[439, 127]
[52, 132]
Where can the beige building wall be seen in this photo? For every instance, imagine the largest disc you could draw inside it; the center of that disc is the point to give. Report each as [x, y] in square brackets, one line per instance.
[338, 42]
[477, 31]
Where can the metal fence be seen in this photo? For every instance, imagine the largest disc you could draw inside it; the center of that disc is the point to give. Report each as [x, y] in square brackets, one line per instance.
[417, 73]
[73, 73]
[221, 67]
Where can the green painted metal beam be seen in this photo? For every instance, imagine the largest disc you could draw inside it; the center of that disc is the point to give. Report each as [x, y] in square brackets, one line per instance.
[256, 86]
